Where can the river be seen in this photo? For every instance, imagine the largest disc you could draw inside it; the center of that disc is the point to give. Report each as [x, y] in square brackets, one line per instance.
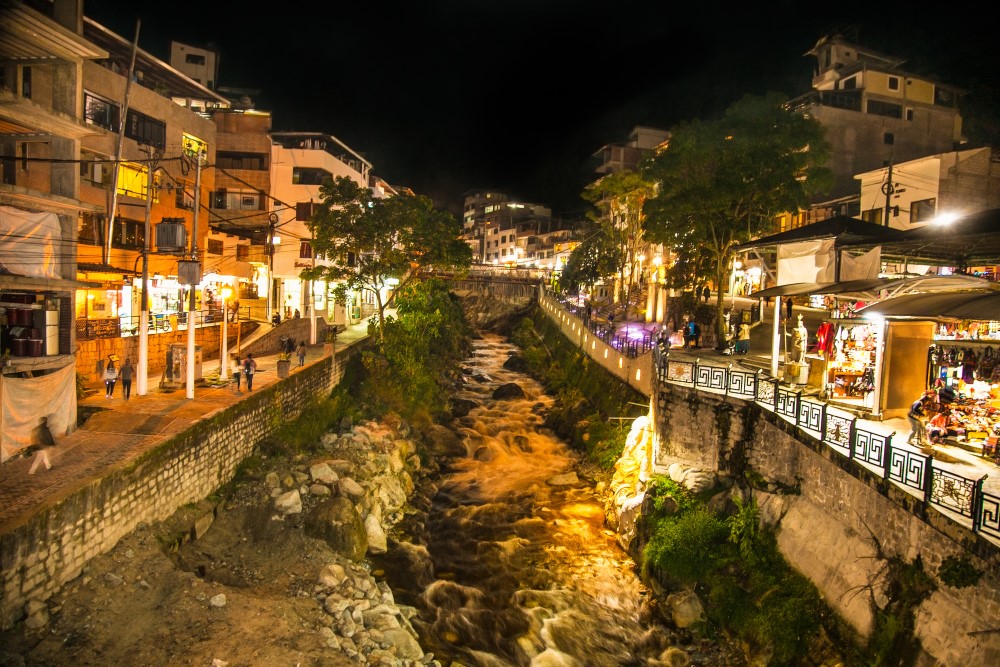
[522, 569]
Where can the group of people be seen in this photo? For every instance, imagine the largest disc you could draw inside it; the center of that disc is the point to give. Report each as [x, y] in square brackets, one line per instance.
[112, 375]
[928, 415]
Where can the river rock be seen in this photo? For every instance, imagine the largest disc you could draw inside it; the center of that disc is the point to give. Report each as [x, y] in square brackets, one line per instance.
[322, 473]
[338, 523]
[332, 575]
[376, 536]
[217, 601]
[348, 487]
[442, 441]
[404, 644]
[516, 363]
[288, 503]
[460, 407]
[508, 391]
[272, 480]
[565, 479]
[673, 657]
[685, 609]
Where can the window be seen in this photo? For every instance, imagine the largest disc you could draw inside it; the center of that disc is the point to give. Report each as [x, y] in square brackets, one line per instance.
[888, 138]
[236, 201]
[100, 112]
[95, 171]
[26, 82]
[909, 114]
[304, 210]
[184, 197]
[192, 145]
[923, 210]
[305, 250]
[91, 229]
[885, 109]
[132, 180]
[128, 234]
[194, 59]
[236, 160]
[851, 84]
[214, 247]
[243, 252]
[893, 83]
[145, 130]
[309, 176]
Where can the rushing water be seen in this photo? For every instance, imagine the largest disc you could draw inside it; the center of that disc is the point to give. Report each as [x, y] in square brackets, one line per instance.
[521, 571]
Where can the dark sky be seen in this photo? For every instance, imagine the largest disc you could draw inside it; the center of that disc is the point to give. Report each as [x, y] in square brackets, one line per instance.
[446, 96]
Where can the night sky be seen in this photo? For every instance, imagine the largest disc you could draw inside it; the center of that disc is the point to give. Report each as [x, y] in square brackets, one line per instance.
[445, 96]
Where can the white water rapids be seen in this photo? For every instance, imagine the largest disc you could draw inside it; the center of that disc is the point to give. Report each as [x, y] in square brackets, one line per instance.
[524, 571]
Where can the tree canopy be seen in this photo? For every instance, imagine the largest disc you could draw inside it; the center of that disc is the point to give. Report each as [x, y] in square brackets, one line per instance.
[722, 182]
[368, 240]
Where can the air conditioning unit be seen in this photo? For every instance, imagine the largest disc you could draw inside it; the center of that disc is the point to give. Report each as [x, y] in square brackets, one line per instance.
[171, 236]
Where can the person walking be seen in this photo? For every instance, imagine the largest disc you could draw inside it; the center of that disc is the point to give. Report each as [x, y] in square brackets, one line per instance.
[705, 293]
[237, 370]
[918, 410]
[41, 436]
[249, 368]
[788, 308]
[110, 377]
[126, 374]
[301, 351]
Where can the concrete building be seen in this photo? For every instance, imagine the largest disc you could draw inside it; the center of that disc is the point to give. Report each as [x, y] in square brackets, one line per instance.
[640, 143]
[42, 59]
[198, 64]
[875, 113]
[300, 163]
[497, 228]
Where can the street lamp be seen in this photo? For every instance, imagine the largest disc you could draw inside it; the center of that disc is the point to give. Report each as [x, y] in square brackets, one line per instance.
[226, 292]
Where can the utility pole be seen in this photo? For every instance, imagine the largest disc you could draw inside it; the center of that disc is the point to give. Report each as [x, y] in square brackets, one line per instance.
[887, 190]
[272, 221]
[106, 249]
[142, 368]
[194, 259]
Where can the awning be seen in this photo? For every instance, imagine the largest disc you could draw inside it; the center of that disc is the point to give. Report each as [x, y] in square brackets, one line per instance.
[31, 283]
[982, 306]
[842, 229]
[880, 288]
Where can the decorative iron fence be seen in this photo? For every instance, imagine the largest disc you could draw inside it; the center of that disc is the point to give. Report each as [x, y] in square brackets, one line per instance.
[908, 468]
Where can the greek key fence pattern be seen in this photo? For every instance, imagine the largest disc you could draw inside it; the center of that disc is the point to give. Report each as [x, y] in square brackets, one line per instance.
[909, 468]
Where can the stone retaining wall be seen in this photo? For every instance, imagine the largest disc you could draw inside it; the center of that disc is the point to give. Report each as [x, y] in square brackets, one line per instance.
[51, 548]
[829, 511]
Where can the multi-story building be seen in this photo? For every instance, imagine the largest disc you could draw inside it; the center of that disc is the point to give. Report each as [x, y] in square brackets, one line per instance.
[198, 64]
[497, 228]
[300, 163]
[955, 184]
[41, 129]
[165, 132]
[875, 113]
[626, 155]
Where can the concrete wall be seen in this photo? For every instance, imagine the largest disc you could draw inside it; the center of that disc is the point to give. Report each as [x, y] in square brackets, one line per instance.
[50, 548]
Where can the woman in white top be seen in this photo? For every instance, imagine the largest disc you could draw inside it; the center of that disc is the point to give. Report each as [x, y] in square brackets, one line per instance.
[110, 377]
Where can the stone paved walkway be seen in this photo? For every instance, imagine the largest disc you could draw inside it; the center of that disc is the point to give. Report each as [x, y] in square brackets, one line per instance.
[122, 430]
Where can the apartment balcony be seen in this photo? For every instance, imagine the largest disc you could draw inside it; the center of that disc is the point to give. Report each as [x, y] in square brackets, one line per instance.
[839, 99]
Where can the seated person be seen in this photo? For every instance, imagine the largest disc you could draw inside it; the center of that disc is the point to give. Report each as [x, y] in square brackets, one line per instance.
[937, 428]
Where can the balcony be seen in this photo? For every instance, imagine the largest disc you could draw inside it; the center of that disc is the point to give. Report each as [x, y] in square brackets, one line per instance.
[840, 99]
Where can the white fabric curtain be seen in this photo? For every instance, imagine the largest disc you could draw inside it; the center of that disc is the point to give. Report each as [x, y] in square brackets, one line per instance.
[24, 401]
[861, 267]
[29, 242]
[806, 262]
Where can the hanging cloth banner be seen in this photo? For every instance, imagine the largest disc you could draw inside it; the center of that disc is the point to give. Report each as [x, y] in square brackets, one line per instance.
[28, 242]
[806, 262]
[860, 267]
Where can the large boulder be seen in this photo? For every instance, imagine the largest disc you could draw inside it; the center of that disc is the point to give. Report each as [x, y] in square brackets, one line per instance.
[442, 441]
[508, 391]
[337, 522]
[516, 363]
[460, 407]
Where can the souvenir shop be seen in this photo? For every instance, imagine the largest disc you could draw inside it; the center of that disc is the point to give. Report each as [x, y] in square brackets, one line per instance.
[849, 349]
[965, 357]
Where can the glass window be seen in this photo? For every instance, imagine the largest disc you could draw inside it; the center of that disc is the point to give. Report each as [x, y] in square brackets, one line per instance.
[128, 234]
[214, 247]
[132, 180]
[305, 250]
[194, 59]
[885, 109]
[309, 176]
[923, 210]
[145, 130]
[100, 112]
[243, 252]
[192, 145]
[184, 197]
[893, 83]
[91, 229]
[236, 160]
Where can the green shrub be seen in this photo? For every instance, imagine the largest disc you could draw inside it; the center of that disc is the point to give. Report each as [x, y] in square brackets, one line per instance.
[687, 547]
[959, 572]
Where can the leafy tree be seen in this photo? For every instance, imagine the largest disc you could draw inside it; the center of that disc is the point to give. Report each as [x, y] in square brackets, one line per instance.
[721, 182]
[368, 240]
[618, 199]
[590, 261]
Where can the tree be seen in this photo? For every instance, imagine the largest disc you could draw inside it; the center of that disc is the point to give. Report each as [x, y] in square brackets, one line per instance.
[721, 182]
[590, 261]
[619, 199]
[368, 240]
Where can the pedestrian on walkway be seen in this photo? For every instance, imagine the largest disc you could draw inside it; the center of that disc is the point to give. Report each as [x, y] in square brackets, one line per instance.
[918, 410]
[41, 436]
[126, 373]
[110, 377]
[301, 351]
[743, 339]
[249, 368]
[237, 370]
[788, 308]
[705, 293]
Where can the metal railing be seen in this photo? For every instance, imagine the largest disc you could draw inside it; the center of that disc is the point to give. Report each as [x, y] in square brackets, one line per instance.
[907, 467]
[91, 329]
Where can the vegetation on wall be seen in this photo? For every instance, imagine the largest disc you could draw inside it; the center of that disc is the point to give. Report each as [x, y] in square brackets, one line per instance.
[735, 567]
[593, 410]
